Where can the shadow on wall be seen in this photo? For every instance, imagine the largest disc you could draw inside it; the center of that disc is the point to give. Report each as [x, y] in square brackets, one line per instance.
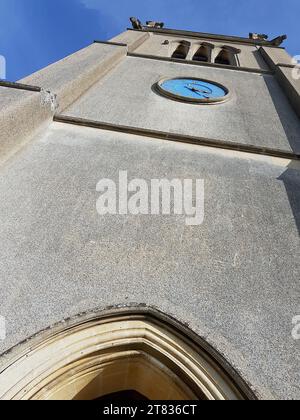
[291, 180]
[291, 125]
[288, 117]
[260, 60]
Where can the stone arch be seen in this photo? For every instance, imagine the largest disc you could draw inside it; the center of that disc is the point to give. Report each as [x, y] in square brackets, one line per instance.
[228, 56]
[119, 351]
[181, 50]
[203, 52]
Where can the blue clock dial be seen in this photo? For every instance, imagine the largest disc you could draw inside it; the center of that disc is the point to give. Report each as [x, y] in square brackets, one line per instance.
[193, 90]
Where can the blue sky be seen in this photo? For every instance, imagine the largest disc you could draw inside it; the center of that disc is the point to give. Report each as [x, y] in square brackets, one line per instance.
[35, 33]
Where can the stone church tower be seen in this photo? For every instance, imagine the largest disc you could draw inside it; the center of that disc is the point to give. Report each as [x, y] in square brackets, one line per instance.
[146, 305]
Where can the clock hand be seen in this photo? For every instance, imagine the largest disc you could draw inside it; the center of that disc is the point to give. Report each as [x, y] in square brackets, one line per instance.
[198, 91]
[193, 89]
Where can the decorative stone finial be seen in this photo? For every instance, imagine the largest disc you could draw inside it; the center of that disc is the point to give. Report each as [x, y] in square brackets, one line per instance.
[279, 40]
[136, 23]
[154, 24]
[258, 37]
[262, 37]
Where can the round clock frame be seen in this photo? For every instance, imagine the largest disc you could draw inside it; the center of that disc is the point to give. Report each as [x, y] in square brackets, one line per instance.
[158, 87]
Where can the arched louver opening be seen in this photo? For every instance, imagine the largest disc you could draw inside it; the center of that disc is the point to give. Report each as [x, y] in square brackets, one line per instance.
[228, 56]
[181, 50]
[223, 58]
[203, 53]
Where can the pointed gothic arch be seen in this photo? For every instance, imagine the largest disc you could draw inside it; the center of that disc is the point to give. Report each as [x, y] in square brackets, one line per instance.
[124, 351]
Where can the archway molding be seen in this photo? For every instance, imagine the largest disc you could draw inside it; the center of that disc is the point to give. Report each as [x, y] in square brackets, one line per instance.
[119, 350]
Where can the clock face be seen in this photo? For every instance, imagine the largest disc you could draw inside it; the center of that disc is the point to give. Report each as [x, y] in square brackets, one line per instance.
[193, 90]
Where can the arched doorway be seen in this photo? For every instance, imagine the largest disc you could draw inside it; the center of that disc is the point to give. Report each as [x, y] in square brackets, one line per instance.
[123, 353]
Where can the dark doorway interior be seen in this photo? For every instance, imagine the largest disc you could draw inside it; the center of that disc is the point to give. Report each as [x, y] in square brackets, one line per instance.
[124, 395]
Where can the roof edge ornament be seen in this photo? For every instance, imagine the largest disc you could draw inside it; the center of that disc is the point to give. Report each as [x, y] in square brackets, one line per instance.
[137, 24]
[154, 24]
[258, 37]
[262, 39]
[278, 41]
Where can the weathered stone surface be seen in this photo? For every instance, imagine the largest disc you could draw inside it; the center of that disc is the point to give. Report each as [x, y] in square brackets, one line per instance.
[22, 115]
[72, 76]
[132, 39]
[276, 55]
[234, 280]
[258, 112]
